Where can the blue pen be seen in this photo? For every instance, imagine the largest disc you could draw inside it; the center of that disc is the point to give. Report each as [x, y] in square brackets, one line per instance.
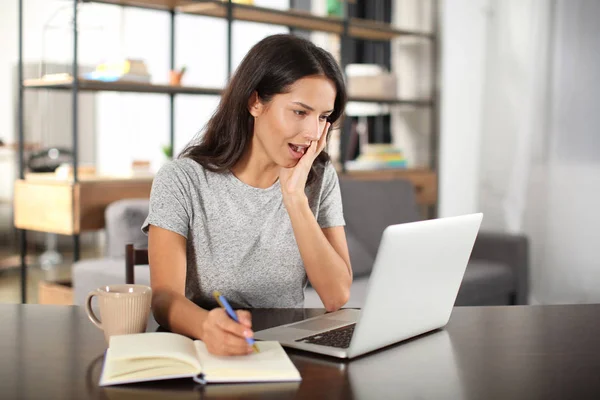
[225, 304]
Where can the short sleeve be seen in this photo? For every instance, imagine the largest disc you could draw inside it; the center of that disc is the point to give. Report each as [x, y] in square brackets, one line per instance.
[331, 212]
[170, 201]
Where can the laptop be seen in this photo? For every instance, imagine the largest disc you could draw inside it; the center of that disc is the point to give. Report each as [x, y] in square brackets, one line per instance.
[412, 289]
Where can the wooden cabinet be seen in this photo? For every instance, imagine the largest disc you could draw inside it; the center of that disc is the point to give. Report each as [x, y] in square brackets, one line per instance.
[44, 203]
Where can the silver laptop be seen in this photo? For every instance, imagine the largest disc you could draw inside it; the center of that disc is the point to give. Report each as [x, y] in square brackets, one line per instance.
[412, 288]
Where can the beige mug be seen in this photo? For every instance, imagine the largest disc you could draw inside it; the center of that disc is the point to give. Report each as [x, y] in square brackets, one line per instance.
[124, 309]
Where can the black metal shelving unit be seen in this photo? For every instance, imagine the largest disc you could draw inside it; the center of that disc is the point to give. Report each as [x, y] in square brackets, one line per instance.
[346, 27]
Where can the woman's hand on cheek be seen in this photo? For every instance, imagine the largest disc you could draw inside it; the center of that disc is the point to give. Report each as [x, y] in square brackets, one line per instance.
[293, 180]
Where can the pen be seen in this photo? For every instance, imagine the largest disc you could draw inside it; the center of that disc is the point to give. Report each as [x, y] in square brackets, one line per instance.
[225, 304]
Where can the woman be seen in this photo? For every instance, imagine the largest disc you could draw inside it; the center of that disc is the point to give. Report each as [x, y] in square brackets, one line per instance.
[253, 208]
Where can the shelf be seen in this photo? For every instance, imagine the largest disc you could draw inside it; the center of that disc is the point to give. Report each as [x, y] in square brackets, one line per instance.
[15, 146]
[358, 28]
[374, 30]
[134, 87]
[415, 103]
[166, 5]
[424, 181]
[292, 18]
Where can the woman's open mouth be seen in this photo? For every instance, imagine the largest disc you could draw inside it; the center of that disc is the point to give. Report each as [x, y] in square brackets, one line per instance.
[297, 151]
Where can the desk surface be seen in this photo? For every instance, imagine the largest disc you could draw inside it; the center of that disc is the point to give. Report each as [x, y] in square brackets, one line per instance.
[543, 352]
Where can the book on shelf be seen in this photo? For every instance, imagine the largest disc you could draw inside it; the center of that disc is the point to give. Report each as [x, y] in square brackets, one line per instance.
[163, 355]
[125, 70]
[377, 156]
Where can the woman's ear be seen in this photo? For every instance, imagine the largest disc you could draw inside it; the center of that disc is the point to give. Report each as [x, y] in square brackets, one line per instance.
[255, 107]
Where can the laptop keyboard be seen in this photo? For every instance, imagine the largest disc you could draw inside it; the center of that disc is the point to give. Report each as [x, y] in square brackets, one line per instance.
[339, 337]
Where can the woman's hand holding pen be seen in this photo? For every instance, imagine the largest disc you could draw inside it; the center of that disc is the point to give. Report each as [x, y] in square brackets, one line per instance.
[293, 180]
[225, 337]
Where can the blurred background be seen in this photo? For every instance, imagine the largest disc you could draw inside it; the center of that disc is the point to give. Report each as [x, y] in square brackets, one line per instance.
[481, 105]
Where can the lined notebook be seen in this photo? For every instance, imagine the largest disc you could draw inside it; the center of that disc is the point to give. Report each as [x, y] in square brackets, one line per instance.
[162, 355]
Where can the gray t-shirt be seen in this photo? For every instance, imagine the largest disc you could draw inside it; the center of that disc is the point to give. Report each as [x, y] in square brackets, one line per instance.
[239, 238]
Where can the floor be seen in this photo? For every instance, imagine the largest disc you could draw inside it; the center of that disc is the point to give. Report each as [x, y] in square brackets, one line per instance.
[10, 275]
[10, 282]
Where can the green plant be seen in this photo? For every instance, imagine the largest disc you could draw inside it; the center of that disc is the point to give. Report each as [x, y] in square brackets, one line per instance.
[335, 8]
[167, 150]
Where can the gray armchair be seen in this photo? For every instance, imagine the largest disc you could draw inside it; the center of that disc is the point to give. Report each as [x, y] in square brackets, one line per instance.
[497, 273]
[124, 219]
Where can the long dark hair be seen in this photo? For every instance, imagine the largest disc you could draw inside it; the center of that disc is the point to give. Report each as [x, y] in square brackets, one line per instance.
[269, 68]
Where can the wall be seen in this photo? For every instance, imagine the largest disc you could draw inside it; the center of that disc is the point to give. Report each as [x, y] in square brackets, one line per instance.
[540, 166]
[463, 32]
[563, 217]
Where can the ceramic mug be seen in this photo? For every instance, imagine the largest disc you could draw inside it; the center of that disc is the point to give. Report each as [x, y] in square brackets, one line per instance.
[124, 309]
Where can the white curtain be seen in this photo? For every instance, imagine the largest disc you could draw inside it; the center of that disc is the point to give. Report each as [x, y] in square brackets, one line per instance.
[540, 147]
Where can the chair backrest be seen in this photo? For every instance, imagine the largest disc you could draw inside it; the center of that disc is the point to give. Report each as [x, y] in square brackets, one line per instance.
[124, 219]
[371, 205]
[133, 257]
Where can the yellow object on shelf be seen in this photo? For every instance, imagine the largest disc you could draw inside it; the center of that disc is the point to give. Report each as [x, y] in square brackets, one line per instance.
[123, 67]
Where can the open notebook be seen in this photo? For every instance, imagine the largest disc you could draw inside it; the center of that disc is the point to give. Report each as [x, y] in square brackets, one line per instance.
[162, 355]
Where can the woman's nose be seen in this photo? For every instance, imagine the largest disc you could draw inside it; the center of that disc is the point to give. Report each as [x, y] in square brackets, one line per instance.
[314, 130]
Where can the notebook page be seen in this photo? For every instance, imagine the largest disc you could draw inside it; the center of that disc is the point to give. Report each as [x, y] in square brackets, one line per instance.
[269, 365]
[154, 345]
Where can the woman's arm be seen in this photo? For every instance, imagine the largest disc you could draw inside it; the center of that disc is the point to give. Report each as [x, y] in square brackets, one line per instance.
[172, 310]
[324, 253]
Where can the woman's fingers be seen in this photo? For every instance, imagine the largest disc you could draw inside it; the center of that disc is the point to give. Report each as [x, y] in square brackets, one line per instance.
[323, 139]
[224, 336]
[227, 324]
[226, 344]
[245, 318]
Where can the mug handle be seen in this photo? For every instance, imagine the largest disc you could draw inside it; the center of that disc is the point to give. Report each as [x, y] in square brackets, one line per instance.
[90, 312]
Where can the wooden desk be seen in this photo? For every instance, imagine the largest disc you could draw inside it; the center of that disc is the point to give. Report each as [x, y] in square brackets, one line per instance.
[544, 352]
[47, 204]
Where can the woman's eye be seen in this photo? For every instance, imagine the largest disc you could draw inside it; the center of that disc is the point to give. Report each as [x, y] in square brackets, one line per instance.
[324, 117]
[299, 112]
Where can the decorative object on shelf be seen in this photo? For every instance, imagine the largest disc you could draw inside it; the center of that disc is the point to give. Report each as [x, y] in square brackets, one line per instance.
[56, 77]
[127, 70]
[141, 168]
[377, 157]
[335, 8]
[65, 171]
[48, 160]
[371, 80]
[175, 76]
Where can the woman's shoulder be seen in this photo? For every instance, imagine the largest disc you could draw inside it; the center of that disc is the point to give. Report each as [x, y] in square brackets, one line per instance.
[184, 170]
[189, 172]
[180, 167]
